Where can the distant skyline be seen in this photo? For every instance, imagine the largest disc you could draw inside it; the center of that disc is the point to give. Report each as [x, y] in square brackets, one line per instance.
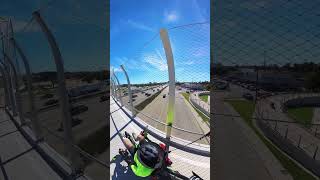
[79, 27]
[133, 24]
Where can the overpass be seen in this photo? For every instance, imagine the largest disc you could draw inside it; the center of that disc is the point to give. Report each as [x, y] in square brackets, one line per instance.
[194, 157]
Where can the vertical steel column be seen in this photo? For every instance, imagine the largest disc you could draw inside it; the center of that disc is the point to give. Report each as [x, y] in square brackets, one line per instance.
[171, 106]
[12, 106]
[117, 80]
[34, 115]
[5, 85]
[64, 98]
[129, 91]
[114, 89]
[12, 81]
[17, 91]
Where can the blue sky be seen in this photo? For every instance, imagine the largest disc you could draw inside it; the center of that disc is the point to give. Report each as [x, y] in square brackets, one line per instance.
[79, 27]
[135, 22]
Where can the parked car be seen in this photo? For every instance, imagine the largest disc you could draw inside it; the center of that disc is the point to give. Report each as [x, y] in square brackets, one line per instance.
[248, 96]
[78, 109]
[132, 100]
[164, 96]
[134, 95]
[51, 102]
[104, 98]
[46, 96]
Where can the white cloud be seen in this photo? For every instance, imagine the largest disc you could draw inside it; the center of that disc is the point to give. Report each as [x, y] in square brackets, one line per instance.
[190, 62]
[115, 69]
[198, 12]
[131, 64]
[170, 16]
[140, 26]
[156, 60]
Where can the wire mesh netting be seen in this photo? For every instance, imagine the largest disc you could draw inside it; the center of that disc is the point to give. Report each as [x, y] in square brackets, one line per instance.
[266, 62]
[190, 46]
[81, 38]
[147, 72]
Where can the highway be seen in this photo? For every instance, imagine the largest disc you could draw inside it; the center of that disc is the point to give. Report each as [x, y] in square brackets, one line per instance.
[239, 153]
[184, 117]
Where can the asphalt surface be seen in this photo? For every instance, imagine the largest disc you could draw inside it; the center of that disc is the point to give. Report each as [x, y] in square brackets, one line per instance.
[234, 155]
[309, 142]
[91, 121]
[184, 118]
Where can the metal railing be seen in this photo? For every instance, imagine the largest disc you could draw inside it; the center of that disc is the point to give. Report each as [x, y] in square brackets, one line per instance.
[261, 60]
[141, 90]
[45, 88]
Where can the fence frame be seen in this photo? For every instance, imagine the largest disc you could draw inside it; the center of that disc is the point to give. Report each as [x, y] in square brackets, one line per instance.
[34, 115]
[118, 84]
[129, 90]
[17, 91]
[172, 81]
[63, 95]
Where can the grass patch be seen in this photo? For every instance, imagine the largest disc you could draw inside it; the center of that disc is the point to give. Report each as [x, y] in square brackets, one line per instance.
[301, 115]
[204, 98]
[204, 118]
[245, 109]
[144, 103]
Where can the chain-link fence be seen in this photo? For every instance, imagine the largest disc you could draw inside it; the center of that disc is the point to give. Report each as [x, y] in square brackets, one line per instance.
[147, 96]
[57, 80]
[266, 62]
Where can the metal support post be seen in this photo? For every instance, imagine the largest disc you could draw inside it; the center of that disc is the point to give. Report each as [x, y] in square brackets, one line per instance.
[315, 153]
[114, 89]
[170, 62]
[5, 84]
[17, 91]
[12, 106]
[34, 115]
[64, 98]
[129, 91]
[286, 135]
[120, 96]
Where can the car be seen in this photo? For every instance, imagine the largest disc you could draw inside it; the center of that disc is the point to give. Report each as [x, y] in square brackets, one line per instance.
[74, 122]
[164, 96]
[134, 95]
[248, 96]
[51, 102]
[104, 98]
[46, 96]
[132, 100]
[78, 109]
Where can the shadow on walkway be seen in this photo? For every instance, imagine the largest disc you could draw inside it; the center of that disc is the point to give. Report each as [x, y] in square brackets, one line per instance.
[122, 171]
